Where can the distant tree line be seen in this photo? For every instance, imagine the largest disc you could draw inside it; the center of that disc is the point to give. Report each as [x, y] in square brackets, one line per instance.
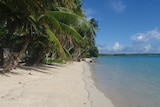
[134, 54]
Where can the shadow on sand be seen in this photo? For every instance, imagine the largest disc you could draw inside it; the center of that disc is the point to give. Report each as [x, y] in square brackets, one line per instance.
[42, 68]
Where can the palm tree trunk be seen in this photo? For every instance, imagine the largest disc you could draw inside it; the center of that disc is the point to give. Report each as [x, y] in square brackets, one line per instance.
[14, 58]
[1, 56]
[76, 55]
[38, 59]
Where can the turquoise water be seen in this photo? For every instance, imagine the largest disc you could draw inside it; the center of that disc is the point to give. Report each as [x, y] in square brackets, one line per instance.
[129, 81]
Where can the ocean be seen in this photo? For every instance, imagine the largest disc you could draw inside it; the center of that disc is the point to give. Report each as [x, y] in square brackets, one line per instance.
[129, 81]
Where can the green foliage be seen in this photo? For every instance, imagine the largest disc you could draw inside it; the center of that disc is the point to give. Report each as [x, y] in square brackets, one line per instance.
[50, 61]
[93, 52]
[57, 26]
[3, 34]
[56, 61]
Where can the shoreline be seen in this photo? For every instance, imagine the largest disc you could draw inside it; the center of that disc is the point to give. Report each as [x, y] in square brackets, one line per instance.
[68, 85]
[93, 78]
[97, 98]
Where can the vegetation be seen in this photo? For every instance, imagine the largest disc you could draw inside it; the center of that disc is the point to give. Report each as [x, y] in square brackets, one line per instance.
[30, 29]
[136, 54]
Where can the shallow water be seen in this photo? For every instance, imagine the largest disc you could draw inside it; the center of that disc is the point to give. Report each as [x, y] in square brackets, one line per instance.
[129, 81]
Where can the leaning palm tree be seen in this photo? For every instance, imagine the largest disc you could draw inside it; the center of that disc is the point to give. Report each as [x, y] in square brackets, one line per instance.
[56, 25]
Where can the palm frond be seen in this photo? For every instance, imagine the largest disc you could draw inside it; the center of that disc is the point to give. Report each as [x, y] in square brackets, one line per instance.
[69, 57]
[54, 39]
[63, 9]
[71, 32]
[49, 20]
[69, 19]
[33, 22]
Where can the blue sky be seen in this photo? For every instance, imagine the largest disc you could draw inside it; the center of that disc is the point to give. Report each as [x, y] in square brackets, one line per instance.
[126, 26]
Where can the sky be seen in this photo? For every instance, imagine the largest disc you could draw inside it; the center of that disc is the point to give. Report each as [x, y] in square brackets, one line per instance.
[126, 26]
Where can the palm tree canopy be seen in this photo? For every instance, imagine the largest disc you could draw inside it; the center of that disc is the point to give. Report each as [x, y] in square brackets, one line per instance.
[61, 23]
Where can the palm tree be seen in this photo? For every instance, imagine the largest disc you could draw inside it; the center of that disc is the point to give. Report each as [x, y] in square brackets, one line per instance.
[68, 32]
[59, 30]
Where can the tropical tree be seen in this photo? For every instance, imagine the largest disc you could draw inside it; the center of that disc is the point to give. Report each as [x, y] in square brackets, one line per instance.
[69, 38]
[92, 50]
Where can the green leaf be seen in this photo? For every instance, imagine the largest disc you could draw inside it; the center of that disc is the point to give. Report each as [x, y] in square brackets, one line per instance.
[54, 39]
[50, 21]
[71, 32]
[69, 19]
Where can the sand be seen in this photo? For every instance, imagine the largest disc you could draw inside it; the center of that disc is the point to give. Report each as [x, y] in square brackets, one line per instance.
[68, 85]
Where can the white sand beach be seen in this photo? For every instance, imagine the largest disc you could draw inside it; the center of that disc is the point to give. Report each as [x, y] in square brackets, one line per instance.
[68, 85]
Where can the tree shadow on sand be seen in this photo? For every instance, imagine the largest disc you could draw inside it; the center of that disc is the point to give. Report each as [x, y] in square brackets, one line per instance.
[42, 68]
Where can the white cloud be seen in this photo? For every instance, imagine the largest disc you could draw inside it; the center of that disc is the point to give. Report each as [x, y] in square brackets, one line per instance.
[103, 48]
[141, 43]
[148, 36]
[141, 37]
[148, 48]
[146, 42]
[117, 47]
[118, 5]
[155, 34]
[114, 49]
